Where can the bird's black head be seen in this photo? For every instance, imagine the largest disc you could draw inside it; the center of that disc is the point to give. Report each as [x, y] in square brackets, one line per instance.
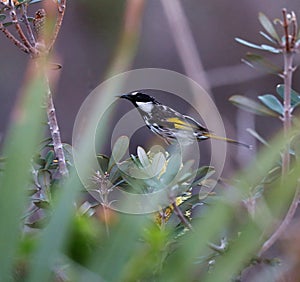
[137, 97]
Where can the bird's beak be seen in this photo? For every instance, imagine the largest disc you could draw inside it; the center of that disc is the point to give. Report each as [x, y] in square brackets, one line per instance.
[124, 96]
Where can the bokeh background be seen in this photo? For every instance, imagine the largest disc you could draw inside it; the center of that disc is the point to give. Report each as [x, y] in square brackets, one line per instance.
[93, 33]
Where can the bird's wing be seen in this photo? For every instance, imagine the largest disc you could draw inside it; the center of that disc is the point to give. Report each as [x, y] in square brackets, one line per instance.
[196, 125]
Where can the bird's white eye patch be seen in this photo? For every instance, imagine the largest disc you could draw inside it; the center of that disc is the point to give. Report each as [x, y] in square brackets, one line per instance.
[134, 93]
[145, 106]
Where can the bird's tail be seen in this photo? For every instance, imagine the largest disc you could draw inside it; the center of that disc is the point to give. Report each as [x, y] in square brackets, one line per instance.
[216, 137]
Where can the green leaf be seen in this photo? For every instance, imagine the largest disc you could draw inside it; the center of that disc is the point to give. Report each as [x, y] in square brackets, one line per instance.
[266, 36]
[44, 179]
[270, 49]
[103, 162]
[295, 96]
[2, 17]
[38, 224]
[143, 158]
[247, 43]
[257, 136]
[251, 106]
[158, 162]
[259, 62]
[42, 204]
[49, 159]
[272, 103]
[7, 24]
[119, 150]
[202, 173]
[268, 26]
[272, 175]
[186, 172]
[263, 47]
[173, 167]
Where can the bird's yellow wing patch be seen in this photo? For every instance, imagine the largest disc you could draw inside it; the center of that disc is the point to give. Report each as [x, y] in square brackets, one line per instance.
[180, 124]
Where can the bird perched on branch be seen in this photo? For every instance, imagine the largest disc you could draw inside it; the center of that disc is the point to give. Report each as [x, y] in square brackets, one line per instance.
[169, 124]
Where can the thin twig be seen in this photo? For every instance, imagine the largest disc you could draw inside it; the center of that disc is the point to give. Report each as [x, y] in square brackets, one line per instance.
[21, 34]
[14, 40]
[59, 19]
[27, 24]
[180, 215]
[284, 224]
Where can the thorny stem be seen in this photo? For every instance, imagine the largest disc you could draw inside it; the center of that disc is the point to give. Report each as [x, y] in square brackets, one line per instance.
[55, 133]
[27, 45]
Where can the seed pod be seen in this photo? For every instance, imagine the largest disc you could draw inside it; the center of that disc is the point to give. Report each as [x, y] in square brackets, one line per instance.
[39, 23]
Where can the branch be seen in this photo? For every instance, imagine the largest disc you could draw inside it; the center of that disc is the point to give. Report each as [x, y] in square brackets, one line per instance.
[180, 215]
[14, 40]
[21, 34]
[284, 224]
[59, 19]
[27, 24]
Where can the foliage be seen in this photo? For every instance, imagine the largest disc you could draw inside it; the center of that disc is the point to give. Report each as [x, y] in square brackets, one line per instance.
[208, 230]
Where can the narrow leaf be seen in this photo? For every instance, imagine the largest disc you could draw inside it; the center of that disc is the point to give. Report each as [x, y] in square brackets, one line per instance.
[249, 44]
[257, 136]
[268, 26]
[158, 162]
[251, 106]
[7, 24]
[261, 63]
[144, 160]
[49, 159]
[270, 48]
[119, 150]
[263, 47]
[272, 103]
[266, 36]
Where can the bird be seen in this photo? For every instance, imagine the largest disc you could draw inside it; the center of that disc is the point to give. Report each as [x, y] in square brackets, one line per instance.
[169, 124]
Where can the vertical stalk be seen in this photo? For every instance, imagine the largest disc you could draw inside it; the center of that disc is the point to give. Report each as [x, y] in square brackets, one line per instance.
[287, 117]
[288, 56]
[55, 133]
